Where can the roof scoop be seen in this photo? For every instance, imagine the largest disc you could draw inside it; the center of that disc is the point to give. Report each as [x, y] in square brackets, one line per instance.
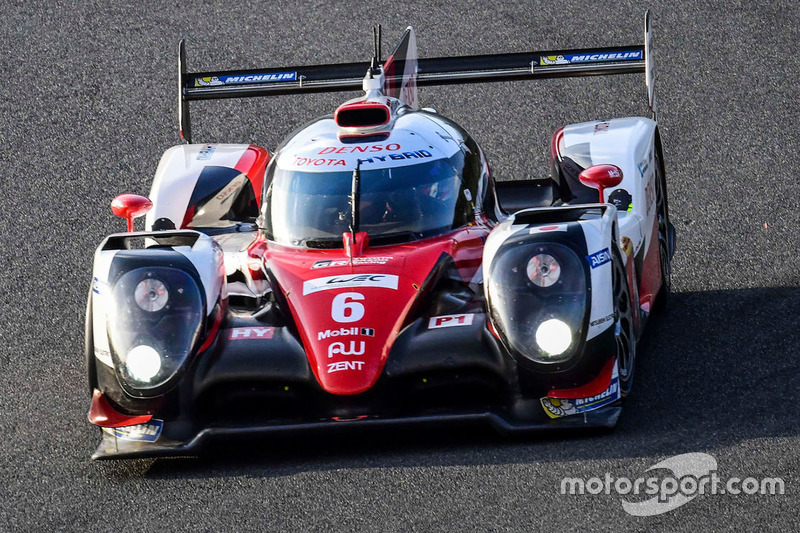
[363, 114]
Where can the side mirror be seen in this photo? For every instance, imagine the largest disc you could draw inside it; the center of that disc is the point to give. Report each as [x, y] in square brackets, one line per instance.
[601, 177]
[130, 206]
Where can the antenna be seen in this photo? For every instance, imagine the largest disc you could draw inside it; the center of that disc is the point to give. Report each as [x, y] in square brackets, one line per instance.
[376, 49]
[355, 194]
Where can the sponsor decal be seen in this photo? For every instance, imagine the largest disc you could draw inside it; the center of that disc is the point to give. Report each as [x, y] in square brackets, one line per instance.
[213, 81]
[545, 229]
[553, 60]
[318, 162]
[104, 356]
[643, 166]
[344, 365]
[449, 321]
[601, 320]
[339, 348]
[251, 333]
[558, 407]
[360, 149]
[599, 258]
[650, 195]
[206, 152]
[419, 154]
[596, 57]
[357, 261]
[147, 432]
[602, 127]
[386, 281]
[234, 186]
[97, 285]
[345, 332]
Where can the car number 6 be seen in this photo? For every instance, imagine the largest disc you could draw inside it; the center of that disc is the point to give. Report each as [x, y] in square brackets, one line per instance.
[345, 307]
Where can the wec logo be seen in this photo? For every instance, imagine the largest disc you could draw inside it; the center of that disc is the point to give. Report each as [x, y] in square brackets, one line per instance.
[386, 281]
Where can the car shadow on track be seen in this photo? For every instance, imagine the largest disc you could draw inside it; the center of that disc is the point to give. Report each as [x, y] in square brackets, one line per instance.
[715, 368]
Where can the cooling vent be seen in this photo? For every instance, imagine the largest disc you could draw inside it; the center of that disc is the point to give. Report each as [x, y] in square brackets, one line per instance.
[362, 115]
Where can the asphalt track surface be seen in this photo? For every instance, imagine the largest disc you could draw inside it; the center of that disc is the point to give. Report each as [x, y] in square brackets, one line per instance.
[88, 106]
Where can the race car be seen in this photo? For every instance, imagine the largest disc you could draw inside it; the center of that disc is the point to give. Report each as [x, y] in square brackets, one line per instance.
[370, 272]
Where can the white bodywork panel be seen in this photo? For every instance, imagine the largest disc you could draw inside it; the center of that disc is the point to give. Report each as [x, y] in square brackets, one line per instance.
[596, 231]
[206, 256]
[629, 144]
[177, 174]
[414, 138]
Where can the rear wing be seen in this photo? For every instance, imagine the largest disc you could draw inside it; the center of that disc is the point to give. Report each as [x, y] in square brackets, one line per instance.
[429, 72]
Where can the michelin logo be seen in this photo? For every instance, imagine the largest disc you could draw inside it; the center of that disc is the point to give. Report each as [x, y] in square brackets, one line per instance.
[147, 432]
[213, 81]
[568, 59]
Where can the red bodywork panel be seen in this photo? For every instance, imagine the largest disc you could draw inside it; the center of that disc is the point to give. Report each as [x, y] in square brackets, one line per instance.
[349, 310]
[651, 271]
[593, 388]
[102, 414]
[254, 163]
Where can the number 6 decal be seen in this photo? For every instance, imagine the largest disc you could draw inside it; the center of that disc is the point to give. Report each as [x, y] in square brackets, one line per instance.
[345, 307]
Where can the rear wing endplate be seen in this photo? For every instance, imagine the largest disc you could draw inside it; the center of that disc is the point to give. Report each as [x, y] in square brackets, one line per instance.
[430, 71]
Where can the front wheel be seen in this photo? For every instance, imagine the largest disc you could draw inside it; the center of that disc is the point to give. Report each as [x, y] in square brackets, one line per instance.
[624, 332]
[91, 368]
[662, 210]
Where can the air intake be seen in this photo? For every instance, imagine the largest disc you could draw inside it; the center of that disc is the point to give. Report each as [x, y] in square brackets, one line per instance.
[362, 115]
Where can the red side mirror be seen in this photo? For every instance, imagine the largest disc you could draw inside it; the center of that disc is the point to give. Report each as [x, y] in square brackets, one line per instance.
[601, 177]
[130, 206]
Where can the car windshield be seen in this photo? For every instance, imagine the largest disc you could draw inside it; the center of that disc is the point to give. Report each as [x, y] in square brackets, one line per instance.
[397, 204]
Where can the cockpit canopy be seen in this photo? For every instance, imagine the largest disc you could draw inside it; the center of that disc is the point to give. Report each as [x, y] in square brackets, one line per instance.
[413, 185]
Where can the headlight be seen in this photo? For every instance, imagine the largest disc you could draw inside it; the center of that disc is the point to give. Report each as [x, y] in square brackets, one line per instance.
[151, 295]
[538, 299]
[143, 363]
[154, 323]
[553, 336]
[543, 270]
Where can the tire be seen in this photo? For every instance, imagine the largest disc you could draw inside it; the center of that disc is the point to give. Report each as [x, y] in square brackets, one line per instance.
[624, 331]
[662, 210]
[91, 368]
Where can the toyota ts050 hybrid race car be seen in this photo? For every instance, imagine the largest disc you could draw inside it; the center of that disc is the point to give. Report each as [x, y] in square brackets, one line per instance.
[370, 272]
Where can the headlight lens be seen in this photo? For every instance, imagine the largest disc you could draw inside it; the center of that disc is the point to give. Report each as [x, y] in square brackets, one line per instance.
[154, 322]
[553, 336]
[151, 295]
[543, 270]
[538, 299]
[143, 363]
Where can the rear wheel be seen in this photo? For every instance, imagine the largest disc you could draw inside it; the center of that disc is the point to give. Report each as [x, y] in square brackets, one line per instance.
[624, 332]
